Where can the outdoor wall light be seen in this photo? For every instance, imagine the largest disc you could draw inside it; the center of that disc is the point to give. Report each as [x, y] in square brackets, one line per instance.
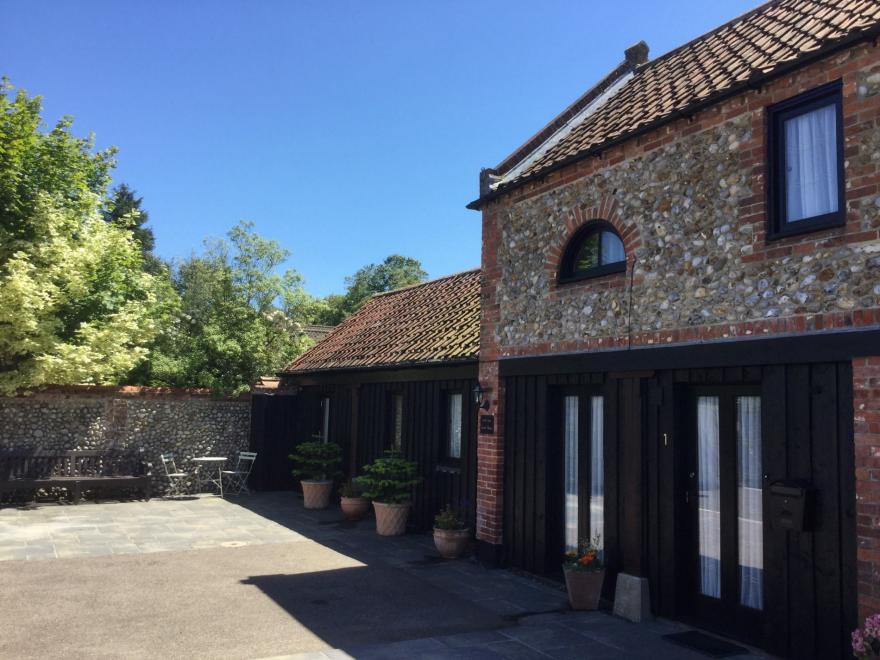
[479, 396]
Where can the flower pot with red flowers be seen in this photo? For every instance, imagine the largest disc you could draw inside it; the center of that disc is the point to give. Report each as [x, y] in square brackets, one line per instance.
[317, 465]
[352, 502]
[389, 482]
[451, 535]
[584, 575]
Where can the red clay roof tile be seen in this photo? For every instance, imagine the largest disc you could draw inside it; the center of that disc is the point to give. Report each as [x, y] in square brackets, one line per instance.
[433, 322]
[757, 43]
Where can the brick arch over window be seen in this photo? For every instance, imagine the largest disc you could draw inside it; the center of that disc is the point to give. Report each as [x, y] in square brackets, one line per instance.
[578, 217]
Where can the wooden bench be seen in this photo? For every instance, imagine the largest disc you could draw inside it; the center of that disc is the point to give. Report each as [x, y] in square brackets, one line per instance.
[74, 471]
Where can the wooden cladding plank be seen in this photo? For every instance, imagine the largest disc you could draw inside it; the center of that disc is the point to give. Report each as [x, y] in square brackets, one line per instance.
[800, 556]
[774, 463]
[529, 441]
[826, 507]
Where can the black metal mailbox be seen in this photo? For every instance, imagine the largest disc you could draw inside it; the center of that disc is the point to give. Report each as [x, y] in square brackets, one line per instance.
[788, 505]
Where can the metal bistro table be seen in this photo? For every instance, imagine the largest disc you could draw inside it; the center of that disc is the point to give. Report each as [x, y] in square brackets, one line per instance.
[205, 466]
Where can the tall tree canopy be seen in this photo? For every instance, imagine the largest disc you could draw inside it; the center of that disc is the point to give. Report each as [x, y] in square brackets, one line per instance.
[396, 271]
[76, 305]
[42, 167]
[238, 316]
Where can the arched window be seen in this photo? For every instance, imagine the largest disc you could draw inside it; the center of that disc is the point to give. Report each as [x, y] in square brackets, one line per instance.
[594, 250]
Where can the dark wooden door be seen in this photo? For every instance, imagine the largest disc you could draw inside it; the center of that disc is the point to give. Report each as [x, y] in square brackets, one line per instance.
[722, 562]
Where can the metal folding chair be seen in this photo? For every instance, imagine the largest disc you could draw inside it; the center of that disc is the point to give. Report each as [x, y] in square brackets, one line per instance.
[236, 479]
[177, 480]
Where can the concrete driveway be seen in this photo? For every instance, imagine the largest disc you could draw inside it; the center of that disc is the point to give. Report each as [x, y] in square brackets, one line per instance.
[212, 578]
[261, 577]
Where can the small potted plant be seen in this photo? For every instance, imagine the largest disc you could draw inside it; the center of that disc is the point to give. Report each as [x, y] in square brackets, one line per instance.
[584, 575]
[389, 481]
[451, 535]
[317, 465]
[351, 500]
[866, 643]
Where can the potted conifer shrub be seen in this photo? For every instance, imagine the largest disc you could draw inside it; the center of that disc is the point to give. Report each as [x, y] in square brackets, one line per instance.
[351, 500]
[389, 481]
[584, 575]
[317, 465]
[451, 535]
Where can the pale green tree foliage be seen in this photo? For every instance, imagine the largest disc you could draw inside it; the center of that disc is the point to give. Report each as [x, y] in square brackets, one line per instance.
[75, 303]
[238, 318]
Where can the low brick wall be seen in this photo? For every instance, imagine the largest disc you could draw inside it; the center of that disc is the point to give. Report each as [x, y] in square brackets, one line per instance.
[186, 423]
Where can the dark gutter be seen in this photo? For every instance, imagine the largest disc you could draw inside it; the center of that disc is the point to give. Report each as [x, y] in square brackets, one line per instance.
[685, 112]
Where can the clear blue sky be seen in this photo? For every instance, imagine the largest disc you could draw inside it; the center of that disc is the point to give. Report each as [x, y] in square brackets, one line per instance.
[346, 130]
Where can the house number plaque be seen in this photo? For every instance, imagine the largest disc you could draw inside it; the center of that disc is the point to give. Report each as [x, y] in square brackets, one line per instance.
[487, 424]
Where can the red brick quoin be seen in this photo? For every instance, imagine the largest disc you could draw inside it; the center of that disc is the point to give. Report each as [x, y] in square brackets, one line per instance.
[866, 399]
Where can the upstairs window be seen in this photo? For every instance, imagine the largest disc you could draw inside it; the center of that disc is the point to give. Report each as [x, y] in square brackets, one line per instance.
[595, 250]
[805, 148]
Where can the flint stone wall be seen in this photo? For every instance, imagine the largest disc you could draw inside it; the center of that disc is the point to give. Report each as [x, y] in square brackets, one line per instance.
[182, 423]
[698, 262]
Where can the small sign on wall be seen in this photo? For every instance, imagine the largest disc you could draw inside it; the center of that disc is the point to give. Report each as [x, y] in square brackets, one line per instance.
[487, 424]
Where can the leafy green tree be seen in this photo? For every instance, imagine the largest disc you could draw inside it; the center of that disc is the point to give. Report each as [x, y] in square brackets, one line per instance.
[42, 168]
[125, 209]
[235, 324]
[395, 272]
[76, 305]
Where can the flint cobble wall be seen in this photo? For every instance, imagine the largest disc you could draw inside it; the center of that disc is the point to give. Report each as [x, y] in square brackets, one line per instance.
[689, 204]
[185, 424]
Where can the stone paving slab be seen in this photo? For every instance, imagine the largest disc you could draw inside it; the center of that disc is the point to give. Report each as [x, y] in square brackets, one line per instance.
[260, 576]
[113, 528]
[559, 636]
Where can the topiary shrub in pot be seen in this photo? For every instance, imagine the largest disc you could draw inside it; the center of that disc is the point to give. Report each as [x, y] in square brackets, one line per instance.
[451, 535]
[389, 481]
[352, 501]
[317, 465]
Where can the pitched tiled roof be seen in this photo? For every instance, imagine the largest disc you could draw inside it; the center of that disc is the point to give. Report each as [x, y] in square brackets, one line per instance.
[764, 41]
[434, 322]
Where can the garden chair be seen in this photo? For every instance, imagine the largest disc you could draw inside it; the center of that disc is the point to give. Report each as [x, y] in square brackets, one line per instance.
[177, 480]
[236, 478]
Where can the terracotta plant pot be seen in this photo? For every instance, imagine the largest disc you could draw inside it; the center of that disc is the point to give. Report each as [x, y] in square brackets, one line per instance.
[391, 518]
[354, 508]
[584, 588]
[316, 494]
[451, 543]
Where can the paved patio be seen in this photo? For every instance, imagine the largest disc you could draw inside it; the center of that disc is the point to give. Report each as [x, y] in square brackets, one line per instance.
[262, 577]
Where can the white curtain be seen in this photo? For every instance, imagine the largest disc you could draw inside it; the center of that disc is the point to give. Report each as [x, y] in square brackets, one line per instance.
[811, 164]
[612, 248]
[454, 426]
[570, 442]
[709, 488]
[749, 492]
[597, 471]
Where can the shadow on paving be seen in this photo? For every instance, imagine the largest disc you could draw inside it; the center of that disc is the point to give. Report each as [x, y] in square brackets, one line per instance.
[403, 591]
[372, 604]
